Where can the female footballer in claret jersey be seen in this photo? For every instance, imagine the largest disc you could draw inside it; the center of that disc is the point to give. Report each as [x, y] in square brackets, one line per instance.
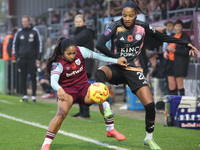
[68, 77]
[127, 38]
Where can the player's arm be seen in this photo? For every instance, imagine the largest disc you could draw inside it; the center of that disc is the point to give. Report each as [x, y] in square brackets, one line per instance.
[56, 70]
[104, 38]
[15, 45]
[86, 53]
[170, 39]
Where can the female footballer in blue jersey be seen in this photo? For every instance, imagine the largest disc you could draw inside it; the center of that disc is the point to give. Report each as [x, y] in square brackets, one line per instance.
[68, 77]
[127, 38]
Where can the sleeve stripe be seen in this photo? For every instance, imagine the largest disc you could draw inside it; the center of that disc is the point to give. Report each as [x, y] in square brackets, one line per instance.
[14, 41]
[40, 40]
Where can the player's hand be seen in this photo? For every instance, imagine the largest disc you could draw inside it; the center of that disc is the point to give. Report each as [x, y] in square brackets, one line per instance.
[122, 61]
[62, 96]
[193, 50]
[170, 49]
[165, 55]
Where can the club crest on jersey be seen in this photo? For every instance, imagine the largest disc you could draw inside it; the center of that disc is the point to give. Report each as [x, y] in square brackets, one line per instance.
[78, 61]
[68, 68]
[107, 32]
[54, 66]
[22, 37]
[138, 37]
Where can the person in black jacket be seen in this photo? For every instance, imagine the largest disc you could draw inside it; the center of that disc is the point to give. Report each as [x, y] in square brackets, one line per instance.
[178, 61]
[84, 37]
[127, 38]
[27, 47]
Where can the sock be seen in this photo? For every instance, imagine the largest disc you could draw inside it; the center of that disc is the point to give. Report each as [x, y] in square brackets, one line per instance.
[109, 124]
[173, 92]
[49, 138]
[100, 76]
[33, 97]
[25, 97]
[149, 136]
[150, 117]
[181, 92]
[105, 105]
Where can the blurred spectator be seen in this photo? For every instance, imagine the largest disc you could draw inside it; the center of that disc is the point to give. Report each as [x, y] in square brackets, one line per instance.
[155, 68]
[84, 37]
[182, 4]
[27, 47]
[154, 9]
[188, 4]
[55, 18]
[169, 31]
[45, 82]
[163, 9]
[178, 60]
[49, 48]
[173, 4]
[8, 55]
[193, 3]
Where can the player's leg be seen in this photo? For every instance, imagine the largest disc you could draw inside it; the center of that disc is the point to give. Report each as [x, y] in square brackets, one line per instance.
[180, 86]
[54, 126]
[32, 70]
[144, 94]
[105, 74]
[139, 86]
[24, 73]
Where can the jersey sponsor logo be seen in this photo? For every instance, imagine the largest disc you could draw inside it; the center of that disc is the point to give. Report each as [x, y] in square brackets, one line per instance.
[75, 72]
[129, 51]
[78, 61]
[54, 66]
[138, 37]
[107, 32]
[121, 39]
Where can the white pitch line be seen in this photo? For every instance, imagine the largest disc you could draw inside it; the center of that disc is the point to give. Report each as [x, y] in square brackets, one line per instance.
[5, 101]
[64, 133]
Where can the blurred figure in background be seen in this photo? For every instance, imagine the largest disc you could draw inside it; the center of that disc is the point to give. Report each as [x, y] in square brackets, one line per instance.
[8, 55]
[177, 65]
[84, 37]
[27, 47]
[45, 82]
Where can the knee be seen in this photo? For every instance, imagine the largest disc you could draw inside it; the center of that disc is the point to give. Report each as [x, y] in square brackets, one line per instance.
[150, 107]
[100, 76]
[61, 115]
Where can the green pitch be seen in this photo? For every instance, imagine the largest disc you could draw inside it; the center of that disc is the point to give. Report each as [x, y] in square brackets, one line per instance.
[23, 126]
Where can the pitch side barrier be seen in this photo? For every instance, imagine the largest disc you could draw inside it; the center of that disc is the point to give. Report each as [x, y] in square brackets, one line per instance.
[192, 81]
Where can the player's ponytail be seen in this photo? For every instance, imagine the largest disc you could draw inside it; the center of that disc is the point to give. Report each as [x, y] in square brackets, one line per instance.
[140, 5]
[55, 56]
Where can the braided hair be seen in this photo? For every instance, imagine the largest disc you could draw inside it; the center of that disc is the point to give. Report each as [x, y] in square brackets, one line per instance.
[138, 5]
